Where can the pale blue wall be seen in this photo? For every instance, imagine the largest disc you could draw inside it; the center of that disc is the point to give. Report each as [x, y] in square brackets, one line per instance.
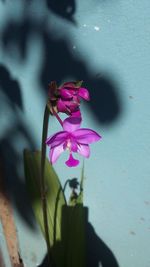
[107, 44]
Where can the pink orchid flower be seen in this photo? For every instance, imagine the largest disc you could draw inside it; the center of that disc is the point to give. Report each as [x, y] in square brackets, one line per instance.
[72, 138]
[70, 95]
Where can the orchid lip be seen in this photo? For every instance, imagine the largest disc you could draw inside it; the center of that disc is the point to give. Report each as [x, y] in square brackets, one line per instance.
[72, 162]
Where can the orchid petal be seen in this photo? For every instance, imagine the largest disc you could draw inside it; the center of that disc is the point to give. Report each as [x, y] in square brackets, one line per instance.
[57, 139]
[86, 136]
[71, 162]
[84, 150]
[70, 145]
[67, 106]
[71, 124]
[72, 105]
[84, 93]
[74, 146]
[76, 114]
[66, 94]
[61, 105]
[55, 152]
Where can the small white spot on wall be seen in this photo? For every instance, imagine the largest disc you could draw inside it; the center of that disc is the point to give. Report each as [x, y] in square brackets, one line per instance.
[96, 28]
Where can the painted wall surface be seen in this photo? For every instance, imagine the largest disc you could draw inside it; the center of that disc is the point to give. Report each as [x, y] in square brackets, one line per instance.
[106, 43]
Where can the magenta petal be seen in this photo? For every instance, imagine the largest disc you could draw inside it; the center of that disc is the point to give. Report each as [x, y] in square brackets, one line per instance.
[55, 153]
[84, 150]
[61, 106]
[67, 106]
[84, 93]
[57, 139]
[86, 136]
[74, 146]
[76, 114]
[71, 162]
[72, 105]
[66, 94]
[71, 145]
[71, 124]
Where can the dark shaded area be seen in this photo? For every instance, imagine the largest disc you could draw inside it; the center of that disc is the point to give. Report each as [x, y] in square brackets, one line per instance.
[16, 187]
[10, 157]
[10, 88]
[98, 251]
[105, 103]
[18, 34]
[95, 252]
[65, 8]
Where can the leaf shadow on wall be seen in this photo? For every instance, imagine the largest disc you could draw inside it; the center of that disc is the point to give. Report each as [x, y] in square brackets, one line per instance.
[9, 154]
[61, 61]
[65, 9]
[105, 103]
[11, 88]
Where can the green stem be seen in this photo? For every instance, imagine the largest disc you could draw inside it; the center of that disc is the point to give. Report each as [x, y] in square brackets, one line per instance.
[43, 189]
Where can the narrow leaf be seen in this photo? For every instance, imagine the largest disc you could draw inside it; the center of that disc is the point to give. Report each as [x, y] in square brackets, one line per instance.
[54, 195]
[74, 236]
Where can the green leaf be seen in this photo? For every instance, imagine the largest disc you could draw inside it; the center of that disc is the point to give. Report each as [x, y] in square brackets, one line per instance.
[74, 235]
[74, 220]
[54, 195]
[66, 223]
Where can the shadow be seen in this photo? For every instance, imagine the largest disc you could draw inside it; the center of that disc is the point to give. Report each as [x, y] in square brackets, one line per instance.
[79, 242]
[17, 34]
[10, 87]
[10, 156]
[65, 8]
[105, 103]
[16, 187]
[98, 251]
